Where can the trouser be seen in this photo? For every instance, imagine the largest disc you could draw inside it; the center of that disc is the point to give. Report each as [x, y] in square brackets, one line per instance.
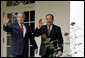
[48, 53]
[24, 54]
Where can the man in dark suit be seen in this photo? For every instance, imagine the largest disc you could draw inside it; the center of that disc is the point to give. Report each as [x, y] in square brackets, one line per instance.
[20, 34]
[52, 31]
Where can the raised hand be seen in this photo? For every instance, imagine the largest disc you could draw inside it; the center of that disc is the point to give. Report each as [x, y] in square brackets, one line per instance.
[6, 20]
[40, 23]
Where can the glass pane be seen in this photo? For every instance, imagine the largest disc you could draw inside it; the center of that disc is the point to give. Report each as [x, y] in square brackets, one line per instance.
[8, 52]
[32, 15]
[25, 2]
[10, 17]
[8, 40]
[31, 51]
[31, 48]
[32, 1]
[3, 14]
[27, 16]
[9, 3]
[15, 3]
[32, 25]
[26, 24]
[14, 17]
[31, 41]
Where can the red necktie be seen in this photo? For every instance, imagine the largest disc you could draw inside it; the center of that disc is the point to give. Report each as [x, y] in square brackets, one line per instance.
[22, 29]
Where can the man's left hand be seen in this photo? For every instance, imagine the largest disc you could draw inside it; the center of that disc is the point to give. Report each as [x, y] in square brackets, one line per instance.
[36, 51]
[60, 53]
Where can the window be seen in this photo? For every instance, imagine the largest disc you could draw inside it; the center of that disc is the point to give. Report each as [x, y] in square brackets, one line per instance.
[27, 16]
[9, 3]
[32, 15]
[15, 3]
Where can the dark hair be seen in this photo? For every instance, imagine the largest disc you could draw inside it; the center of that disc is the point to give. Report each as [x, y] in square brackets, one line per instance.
[51, 15]
[21, 13]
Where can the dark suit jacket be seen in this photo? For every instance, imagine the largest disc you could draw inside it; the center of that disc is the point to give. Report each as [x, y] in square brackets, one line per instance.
[18, 42]
[54, 34]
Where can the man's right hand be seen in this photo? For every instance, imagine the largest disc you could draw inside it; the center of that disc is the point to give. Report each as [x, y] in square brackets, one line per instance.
[40, 23]
[6, 20]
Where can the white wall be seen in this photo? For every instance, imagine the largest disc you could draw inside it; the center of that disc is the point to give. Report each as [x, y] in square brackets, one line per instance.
[61, 12]
[77, 15]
